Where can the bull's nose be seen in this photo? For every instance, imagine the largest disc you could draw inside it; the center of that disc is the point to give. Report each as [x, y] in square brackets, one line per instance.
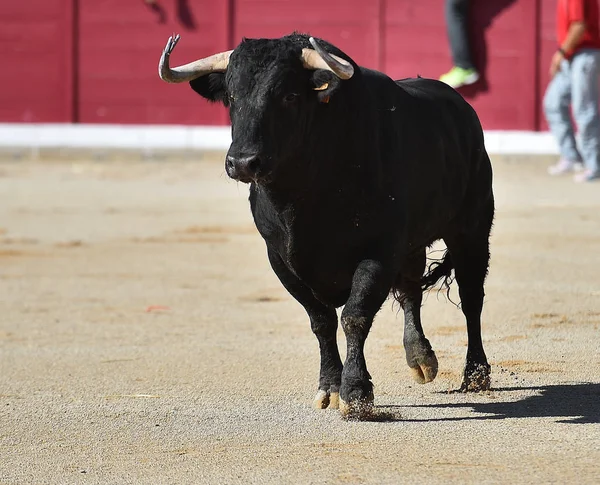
[243, 168]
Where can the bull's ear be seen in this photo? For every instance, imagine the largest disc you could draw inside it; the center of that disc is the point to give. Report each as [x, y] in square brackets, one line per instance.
[325, 84]
[211, 87]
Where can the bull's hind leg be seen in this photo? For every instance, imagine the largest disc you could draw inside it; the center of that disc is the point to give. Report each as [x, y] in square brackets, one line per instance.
[323, 322]
[419, 356]
[470, 255]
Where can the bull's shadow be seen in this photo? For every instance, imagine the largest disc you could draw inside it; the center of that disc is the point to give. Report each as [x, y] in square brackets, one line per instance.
[568, 403]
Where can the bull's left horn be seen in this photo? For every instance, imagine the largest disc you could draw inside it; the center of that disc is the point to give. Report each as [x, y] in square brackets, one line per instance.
[188, 72]
[319, 58]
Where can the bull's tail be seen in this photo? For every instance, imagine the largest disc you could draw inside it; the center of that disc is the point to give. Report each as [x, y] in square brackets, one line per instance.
[438, 270]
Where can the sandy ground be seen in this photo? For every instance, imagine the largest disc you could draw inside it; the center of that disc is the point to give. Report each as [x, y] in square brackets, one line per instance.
[145, 340]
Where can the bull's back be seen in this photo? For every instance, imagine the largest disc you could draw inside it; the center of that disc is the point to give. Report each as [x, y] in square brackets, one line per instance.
[434, 151]
[437, 110]
[452, 159]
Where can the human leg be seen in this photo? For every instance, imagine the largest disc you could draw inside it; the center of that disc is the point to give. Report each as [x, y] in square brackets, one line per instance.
[457, 28]
[557, 100]
[585, 68]
[463, 72]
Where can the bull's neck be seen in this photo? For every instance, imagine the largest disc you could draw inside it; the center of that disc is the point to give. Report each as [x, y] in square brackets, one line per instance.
[344, 168]
[323, 182]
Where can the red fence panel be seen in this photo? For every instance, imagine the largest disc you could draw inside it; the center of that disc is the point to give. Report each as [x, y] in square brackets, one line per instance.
[509, 100]
[36, 48]
[352, 25]
[119, 47]
[547, 45]
[503, 42]
[96, 61]
[415, 39]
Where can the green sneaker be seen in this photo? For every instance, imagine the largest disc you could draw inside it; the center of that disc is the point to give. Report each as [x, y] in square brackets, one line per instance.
[457, 77]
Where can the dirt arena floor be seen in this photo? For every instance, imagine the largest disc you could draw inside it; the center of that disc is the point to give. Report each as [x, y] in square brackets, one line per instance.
[145, 340]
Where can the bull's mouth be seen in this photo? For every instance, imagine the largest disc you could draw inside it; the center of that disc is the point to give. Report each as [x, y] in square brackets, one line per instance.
[244, 180]
[260, 179]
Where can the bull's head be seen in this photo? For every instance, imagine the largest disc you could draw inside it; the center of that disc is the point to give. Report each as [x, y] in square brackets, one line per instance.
[273, 89]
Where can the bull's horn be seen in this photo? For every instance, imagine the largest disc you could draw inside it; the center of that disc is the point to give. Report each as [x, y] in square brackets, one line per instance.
[188, 72]
[319, 58]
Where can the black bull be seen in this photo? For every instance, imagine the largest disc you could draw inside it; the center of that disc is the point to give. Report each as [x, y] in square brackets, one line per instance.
[351, 179]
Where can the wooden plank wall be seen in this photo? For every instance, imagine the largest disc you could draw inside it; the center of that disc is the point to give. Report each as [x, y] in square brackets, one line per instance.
[95, 61]
[36, 47]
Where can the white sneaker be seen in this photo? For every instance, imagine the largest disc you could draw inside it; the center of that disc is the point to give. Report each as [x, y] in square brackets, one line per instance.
[587, 176]
[565, 166]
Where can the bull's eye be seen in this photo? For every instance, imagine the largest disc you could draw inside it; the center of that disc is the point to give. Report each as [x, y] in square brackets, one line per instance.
[231, 98]
[290, 98]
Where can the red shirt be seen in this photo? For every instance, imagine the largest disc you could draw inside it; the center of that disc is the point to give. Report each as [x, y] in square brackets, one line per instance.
[569, 11]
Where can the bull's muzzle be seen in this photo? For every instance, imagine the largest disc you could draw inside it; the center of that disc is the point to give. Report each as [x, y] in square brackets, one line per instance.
[245, 168]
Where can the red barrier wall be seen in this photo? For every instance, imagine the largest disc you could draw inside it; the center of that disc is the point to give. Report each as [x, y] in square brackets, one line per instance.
[36, 47]
[547, 47]
[96, 61]
[352, 25]
[503, 37]
[119, 46]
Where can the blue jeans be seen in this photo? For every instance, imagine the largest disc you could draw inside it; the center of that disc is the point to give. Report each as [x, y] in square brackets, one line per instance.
[576, 86]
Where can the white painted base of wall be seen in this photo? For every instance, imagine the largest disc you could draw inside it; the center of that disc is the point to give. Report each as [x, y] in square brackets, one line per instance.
[154, 137]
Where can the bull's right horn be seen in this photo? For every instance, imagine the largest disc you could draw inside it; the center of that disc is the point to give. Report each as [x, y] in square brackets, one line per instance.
[193, 70]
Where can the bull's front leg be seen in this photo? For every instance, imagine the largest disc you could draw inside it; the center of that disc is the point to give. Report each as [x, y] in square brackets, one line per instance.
[323, 322]
[370, 287]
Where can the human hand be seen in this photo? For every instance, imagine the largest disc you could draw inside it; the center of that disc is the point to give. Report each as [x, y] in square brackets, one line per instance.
[555, 63]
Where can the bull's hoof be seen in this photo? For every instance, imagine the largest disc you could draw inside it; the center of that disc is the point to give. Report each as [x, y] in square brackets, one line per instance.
[334, 400]
[421, 359]
[357, 409]
[426, 368]
[326, 400]
[476, 378]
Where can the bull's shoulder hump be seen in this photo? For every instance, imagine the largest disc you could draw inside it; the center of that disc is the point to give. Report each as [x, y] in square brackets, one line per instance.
[421, 87]
[415, 87]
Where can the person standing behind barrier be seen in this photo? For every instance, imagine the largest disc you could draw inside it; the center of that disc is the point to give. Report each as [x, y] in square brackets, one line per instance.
[463, 71]
[574, 71]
